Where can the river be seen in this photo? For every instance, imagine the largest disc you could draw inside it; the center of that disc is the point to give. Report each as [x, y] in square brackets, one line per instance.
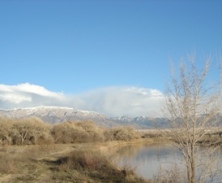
[166, 161]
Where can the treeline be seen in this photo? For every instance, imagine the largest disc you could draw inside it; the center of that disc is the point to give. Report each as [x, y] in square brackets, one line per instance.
[33, 131]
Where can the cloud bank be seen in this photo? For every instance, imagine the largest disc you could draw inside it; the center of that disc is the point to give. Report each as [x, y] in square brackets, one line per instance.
[112, 101]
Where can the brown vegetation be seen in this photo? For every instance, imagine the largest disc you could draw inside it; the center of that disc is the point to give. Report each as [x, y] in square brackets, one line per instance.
[76, 132]
[34, 151]
[24, 132]
[60, 163]
[122, 133]
[32, 131]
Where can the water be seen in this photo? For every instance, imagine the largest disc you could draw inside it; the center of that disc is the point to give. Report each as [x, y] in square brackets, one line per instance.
[151, 161]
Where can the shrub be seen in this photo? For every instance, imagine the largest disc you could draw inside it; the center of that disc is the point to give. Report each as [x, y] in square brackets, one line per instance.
[5, 131]
[71, 132]
[122, 133]
[93, 133]
[64, 133]
[30, 131]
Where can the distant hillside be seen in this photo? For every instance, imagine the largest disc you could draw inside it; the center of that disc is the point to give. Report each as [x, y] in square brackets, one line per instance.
[141, 122]
[61, 114]
[56, 114]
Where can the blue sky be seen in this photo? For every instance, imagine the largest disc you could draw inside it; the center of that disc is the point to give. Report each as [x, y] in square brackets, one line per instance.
[74, 48]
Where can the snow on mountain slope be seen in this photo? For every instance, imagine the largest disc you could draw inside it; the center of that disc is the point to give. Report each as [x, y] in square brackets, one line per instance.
[61, 114]
[52, 114]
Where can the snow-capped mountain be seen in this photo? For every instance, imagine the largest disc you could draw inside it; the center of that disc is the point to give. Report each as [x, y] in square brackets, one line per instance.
[52, 114]
[61, 114]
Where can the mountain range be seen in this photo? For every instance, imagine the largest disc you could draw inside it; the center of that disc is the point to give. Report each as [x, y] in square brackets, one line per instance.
[61, 114]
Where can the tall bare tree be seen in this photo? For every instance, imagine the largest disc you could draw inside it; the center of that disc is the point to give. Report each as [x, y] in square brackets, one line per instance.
[191, 106]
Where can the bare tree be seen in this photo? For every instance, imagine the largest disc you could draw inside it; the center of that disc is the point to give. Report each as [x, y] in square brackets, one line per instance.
[191, 107]
[29, 131]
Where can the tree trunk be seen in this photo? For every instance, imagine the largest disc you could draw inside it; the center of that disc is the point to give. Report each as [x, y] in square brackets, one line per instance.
[22, 140]
[193, 171]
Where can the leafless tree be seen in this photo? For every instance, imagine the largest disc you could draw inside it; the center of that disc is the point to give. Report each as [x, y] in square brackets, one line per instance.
[29, 131]
[191, 106]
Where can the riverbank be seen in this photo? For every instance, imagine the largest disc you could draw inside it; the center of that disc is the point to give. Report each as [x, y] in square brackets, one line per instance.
[80, 162]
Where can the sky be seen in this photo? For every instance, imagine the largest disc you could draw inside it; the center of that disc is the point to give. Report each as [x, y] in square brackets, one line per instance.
[108, 56]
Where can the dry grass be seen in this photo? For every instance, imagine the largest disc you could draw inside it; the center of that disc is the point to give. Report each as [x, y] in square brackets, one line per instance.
[60, 163]
[95, 167]
[7, 165]
[33, 151]
[171, 175]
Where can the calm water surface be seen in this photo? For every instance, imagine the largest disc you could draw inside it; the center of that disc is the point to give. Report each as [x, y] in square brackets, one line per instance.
[151, 160]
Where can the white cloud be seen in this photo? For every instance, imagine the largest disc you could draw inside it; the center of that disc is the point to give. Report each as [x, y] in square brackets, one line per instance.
[14, 98]
[27, 95]
[34, 89]
[112, 101]
[118, 101]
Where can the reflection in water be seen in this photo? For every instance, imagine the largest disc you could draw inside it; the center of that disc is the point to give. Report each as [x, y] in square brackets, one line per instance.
[149, 160]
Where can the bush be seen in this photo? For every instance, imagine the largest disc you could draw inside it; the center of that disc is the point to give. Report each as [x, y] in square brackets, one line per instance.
[71, 132]
[30, 131]
[66, 133]
[93, 133]
[122, 133]
[5, 131]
